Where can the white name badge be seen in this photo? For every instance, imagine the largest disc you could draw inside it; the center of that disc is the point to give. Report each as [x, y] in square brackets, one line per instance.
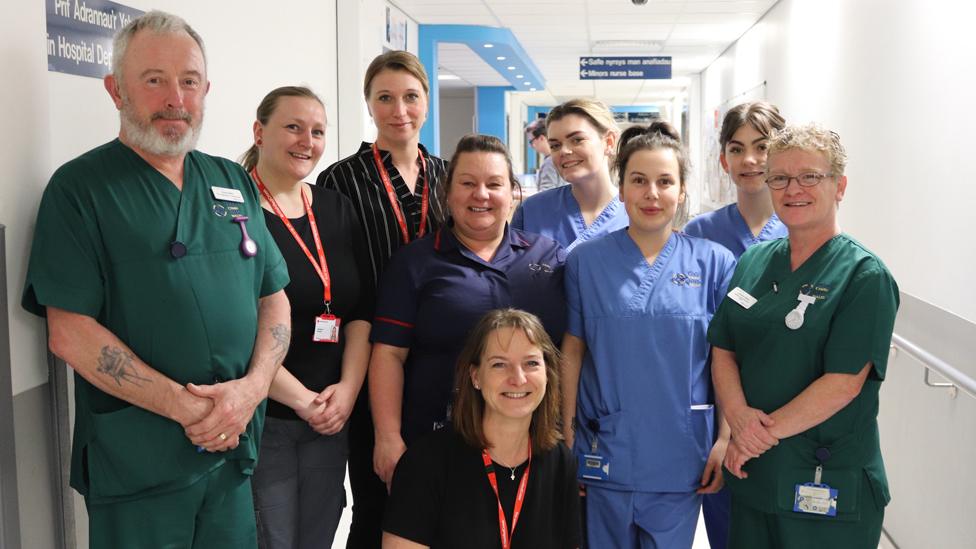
[230, 195]
[815, 499]
[326, 329]
[742, 297]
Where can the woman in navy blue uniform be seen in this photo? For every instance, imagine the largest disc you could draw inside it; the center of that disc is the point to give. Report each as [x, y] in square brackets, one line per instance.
[640, 300]
[435, 290]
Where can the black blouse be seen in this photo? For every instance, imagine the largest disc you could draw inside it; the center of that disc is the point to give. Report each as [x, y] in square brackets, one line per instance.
[318, 365]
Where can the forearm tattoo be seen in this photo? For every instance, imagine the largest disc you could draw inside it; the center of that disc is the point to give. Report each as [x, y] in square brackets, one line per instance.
[117, 364]
[282, 337]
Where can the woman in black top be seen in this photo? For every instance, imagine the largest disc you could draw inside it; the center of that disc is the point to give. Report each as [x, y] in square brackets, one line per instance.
[396, 89]
[298, 484]
[501, 477]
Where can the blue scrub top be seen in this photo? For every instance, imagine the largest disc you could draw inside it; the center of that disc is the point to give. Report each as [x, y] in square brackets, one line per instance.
[556, 214]
[727, 227]
[433, 293]
[647, 359]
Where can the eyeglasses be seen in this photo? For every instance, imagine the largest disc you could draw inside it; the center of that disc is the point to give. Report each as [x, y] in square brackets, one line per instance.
[779, 182]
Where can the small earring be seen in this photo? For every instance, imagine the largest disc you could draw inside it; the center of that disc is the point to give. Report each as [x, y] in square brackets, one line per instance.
[476, 386]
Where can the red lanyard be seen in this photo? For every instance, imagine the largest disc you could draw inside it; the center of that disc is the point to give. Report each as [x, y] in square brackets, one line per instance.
[519, 497]
[395, 203]
[322, 268]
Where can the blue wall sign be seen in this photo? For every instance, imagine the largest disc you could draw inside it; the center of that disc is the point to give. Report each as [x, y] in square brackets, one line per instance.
[79, 35]
[625, 68]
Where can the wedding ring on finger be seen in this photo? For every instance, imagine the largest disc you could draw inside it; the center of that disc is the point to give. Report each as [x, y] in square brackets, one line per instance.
[222, 436]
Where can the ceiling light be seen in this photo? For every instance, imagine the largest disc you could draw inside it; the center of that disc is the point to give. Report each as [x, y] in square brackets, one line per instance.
[500, 58]
[489, 45]
[526, 83]
[531, 89]
[519, 76]
[511, 68]
[627, 45]
[444, 76]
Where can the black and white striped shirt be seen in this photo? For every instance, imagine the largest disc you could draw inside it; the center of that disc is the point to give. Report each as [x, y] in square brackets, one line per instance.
[357, 177]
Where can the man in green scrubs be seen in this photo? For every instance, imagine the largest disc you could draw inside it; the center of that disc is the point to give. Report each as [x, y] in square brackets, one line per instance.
[800, 347]
[163, 290]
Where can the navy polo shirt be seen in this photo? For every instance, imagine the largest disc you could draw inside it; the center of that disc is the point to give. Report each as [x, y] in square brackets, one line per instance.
[433, 293]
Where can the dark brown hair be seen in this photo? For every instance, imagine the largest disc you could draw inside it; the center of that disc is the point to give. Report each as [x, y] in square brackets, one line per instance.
[396, 60]
[659, 135]
[473, 143]
[762, 116]
[469, 405]
[266, 109]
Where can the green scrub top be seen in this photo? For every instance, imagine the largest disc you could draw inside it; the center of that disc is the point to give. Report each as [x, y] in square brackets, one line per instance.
[102, 248]
[848, 325]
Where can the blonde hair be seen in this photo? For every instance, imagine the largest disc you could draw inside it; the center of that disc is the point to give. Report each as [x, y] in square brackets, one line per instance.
[810, 137]
[266, 109]
[595, 112]
[396, 60]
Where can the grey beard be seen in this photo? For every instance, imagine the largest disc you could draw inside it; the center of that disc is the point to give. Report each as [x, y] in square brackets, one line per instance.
[147, 138]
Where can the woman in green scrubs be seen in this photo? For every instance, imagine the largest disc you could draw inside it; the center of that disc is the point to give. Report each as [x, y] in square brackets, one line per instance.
[800, 347]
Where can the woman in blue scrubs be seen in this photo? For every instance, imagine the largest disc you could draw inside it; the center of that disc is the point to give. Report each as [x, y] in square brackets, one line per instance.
[582, 137]
[436, 288]
[750, 219]
[638, 407]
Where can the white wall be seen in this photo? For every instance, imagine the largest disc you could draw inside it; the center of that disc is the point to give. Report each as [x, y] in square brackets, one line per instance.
[896, 81]
[457, 117]
[54, 117]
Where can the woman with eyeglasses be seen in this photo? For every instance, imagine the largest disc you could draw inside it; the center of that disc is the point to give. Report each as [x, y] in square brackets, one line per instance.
[582, 137]
[748, 221]
[637, 408]
[800, 347]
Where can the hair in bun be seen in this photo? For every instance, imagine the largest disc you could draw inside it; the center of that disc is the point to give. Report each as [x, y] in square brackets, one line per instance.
[658, 135]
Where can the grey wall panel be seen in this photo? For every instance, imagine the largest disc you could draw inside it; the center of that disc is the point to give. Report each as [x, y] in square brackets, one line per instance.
[39, 507]
[9, 508]
[928, 438]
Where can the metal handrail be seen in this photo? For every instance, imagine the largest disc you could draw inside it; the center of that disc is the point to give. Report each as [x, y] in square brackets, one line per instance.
[955, 378]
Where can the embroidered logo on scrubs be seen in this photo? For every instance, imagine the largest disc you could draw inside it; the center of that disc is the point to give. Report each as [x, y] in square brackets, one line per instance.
[222, 210]
[691, 280]
[816, 290]
[537, 268]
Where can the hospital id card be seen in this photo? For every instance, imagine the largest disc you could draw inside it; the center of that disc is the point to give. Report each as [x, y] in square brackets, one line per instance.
[815, 499]
[742, 297]
[326, 329]
[594, 467]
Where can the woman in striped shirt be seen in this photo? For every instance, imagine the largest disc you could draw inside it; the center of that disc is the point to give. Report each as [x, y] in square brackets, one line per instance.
[395, 187]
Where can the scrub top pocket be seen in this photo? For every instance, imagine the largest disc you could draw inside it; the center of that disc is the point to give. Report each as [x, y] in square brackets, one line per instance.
[612, 444]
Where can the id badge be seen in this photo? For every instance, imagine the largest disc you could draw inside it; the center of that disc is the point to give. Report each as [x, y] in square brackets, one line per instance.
[594, 467]
[815, 499]
[326, 329]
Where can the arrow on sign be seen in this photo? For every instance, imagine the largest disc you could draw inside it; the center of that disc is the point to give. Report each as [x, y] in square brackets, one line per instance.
[584, 61]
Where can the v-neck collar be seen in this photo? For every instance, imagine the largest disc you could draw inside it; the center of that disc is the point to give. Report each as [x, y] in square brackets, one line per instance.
[649, 273]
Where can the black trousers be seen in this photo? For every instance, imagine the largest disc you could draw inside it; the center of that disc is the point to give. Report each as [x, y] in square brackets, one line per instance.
[368, 491]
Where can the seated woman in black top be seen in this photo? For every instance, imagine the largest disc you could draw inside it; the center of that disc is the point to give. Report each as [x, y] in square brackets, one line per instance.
[462, 487]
